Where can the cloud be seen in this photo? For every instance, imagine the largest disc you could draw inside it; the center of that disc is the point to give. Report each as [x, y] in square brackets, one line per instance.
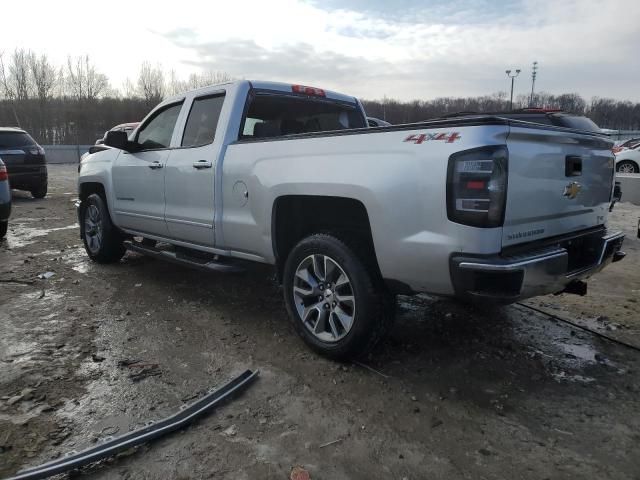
[370, 51]
[405, 49]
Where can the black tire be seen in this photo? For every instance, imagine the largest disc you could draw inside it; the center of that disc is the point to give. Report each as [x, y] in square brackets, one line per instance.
[40, 191]
[629, 164]
[372, 315]
[3, 229]
[109, 247]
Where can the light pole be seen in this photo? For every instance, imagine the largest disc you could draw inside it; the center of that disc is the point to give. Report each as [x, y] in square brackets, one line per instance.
[534, 74]
[512, 77]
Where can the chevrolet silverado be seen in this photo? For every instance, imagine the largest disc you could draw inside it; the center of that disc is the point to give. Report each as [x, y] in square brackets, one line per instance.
[477, 207]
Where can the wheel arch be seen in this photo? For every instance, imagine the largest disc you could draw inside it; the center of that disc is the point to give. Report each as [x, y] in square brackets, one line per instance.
[89, 188]
[342, 216]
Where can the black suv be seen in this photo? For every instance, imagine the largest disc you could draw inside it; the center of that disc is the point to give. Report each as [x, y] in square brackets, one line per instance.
[25, 161]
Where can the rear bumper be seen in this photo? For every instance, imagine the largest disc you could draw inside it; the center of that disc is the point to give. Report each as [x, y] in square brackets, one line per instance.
[535, 272]
[31, 177]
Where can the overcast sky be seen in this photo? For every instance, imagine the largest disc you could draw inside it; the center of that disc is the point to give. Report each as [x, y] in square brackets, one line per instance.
[403, 49]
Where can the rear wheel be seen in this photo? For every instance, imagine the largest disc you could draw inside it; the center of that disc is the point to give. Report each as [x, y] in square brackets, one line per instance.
[627, 166]
[102, 240]
[334, 298]
[40, 191]
[3, 229]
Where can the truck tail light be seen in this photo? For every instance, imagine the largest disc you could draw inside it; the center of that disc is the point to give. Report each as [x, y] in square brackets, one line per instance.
[311, 91]
[477, 186]
[36, 150]
[3, 173]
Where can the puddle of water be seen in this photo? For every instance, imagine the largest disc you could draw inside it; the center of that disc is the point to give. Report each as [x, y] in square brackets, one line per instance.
[77, 257]
[585, 353]
[564, 376]
[21, 235]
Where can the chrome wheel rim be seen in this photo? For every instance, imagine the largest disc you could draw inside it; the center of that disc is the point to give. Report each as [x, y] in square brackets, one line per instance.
[93, 228]
[626, 168]
[324, 298]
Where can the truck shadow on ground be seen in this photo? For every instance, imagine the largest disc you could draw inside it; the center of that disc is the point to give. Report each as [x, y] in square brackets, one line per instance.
[437, 346]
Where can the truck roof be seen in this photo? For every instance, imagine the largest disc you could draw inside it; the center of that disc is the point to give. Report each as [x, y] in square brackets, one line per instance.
[267, 85]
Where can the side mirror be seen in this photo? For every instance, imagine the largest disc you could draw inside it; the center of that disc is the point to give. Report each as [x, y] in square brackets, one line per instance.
[117, 139]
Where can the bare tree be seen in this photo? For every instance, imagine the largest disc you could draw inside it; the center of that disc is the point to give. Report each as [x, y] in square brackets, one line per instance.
[174, 84]
[128, 89]
[83, 79]
[151, 83]
[44, 76]
[204, 79]
[15, 77]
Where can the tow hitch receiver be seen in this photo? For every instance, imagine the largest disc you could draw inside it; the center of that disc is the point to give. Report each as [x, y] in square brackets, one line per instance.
[152, 431]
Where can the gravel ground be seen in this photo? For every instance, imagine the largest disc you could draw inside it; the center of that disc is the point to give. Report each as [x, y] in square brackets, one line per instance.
[455, 392]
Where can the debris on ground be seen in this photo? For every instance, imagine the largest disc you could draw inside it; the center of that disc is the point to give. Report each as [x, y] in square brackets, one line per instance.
[299, 473]
[231, 431]
[330, 443]
[124, 444]
[46, 275]
[149, 370]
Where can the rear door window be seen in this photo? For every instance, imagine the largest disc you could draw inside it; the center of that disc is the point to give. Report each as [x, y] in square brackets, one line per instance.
[274, 115]
[157, 132]
[202, 121]
[15, 139]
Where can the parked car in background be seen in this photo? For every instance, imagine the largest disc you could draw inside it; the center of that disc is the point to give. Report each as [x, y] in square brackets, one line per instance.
[628, 160]
[376, 122]
[25, 161]
[5, 200]
[631, 143]
[123, 127]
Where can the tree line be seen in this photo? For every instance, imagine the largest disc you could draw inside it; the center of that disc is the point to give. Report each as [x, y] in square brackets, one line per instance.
[76, 103]
[605, 112]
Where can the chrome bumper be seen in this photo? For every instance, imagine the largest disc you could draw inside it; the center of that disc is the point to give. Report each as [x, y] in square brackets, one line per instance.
[540, 271]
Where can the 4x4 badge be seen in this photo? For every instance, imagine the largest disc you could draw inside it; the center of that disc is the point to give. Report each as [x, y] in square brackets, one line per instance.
[572, 190]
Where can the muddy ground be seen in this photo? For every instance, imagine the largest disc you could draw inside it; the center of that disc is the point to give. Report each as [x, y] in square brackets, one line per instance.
[457, 393]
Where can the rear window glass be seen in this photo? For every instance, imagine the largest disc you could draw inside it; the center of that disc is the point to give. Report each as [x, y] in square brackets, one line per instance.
[272, 115]
[15, 139]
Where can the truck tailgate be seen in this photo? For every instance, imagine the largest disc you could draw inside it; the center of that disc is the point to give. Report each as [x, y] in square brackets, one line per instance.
[560, 181]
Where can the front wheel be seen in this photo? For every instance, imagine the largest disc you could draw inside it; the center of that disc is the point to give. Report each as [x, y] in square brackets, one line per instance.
[627, 166]
[334, 298]
[102, 240]
[3, 229]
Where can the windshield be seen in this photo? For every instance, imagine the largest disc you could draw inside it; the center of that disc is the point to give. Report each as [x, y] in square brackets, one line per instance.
[15, 139]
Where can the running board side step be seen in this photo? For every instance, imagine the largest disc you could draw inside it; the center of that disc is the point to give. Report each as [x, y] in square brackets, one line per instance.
[181, 259]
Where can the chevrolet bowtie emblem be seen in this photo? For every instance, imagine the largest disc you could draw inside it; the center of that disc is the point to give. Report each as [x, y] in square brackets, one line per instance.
[572, 190]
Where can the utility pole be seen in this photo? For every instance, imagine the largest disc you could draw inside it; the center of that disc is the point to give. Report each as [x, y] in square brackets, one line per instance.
[512, 77]
[384, 108]
[534, 74]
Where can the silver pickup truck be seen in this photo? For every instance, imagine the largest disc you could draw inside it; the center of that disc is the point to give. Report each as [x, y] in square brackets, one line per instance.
[478, 207]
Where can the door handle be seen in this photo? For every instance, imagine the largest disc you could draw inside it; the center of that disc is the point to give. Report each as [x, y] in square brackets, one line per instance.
[155, 165]
[202, 164]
